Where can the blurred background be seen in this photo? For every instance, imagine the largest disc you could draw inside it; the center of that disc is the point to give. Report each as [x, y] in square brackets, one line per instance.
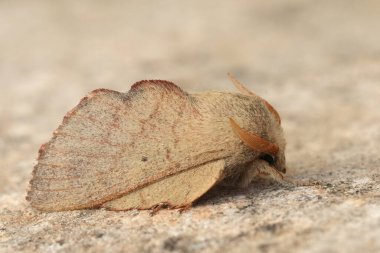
[317, 62]
[54, 52]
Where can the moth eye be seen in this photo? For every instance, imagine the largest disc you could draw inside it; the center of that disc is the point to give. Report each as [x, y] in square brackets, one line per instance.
[269, 158]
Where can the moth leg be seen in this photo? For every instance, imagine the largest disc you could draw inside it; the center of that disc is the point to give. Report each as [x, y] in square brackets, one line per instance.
[266, 169]
[262, 168]
[158, 208]
[185, 208]
[164, 205]
[248, 176]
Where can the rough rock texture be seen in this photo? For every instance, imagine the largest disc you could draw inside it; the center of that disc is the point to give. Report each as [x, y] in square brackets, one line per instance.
[317, 62]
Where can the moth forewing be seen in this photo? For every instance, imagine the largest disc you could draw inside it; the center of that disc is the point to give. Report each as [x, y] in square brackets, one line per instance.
[113, 143]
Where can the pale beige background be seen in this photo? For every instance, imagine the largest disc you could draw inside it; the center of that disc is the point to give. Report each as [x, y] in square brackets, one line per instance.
[317, 62]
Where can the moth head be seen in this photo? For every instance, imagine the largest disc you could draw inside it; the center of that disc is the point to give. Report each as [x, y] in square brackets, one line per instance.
[272, 151]
[279, 162]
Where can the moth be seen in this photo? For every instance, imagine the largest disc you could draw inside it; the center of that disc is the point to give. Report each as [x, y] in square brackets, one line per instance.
[156, 145]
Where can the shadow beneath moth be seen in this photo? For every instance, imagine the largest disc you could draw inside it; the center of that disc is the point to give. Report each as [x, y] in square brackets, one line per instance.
[156, 145]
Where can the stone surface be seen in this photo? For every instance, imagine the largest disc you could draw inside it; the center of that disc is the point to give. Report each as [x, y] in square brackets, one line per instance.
[317, 62]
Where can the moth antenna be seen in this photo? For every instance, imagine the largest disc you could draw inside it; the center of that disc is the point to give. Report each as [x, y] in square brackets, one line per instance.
[240, 86]
[253, 141]
[244, 90]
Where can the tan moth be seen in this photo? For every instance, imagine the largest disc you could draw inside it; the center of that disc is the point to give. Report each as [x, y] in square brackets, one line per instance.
[156, 145]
